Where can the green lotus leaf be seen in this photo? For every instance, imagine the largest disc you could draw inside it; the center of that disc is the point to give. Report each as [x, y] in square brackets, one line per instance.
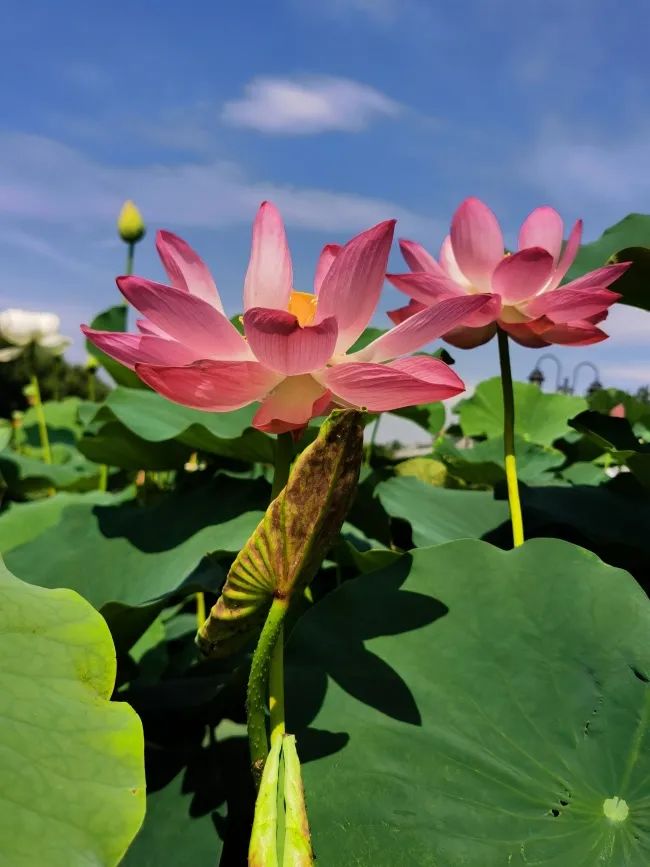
[71, 761]
[473, 706]
[130, 422]
[540, 417]
[626, 241]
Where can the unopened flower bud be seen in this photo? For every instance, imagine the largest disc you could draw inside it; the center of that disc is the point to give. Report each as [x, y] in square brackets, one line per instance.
[130, 224]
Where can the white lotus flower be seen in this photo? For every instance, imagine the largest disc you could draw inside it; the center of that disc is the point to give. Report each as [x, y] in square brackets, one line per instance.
[23, 328]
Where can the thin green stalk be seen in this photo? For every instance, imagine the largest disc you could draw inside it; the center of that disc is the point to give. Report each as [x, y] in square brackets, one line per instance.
[276, 688]
[371, 443]
[92, 391]
[130, 252]
[509, 440]
[267, 668]
[258, 682]
[283, 457]
[40, 418]
[102, 484]
[284, 451]
[200, 609]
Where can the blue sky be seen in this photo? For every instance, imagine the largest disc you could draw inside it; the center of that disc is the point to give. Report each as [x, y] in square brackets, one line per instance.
[343, 112]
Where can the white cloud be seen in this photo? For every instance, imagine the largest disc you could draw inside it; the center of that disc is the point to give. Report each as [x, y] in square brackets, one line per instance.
[305, 105]
[592, 175]
[21, 240]
[379, 12]
[632, 373]
[44, 181]
[628, 325]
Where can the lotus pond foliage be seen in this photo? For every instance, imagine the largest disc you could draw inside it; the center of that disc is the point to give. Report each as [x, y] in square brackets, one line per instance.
[237, 630]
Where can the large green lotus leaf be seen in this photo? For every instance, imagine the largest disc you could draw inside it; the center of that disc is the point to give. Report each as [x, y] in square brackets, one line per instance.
[425, 468]
[626, 241]
[134, 554]
[113, 319]
[483, 464]
[27, 476]
[116, 446]
[495, 706]
[429, 416]
[439, 514]
[71, 761]
[613, 434]
[613, 522]
[540, 417]
[21, 522]
[584, 473]
[605, 399]
[152, 418]
[62, 419]
[196, 793]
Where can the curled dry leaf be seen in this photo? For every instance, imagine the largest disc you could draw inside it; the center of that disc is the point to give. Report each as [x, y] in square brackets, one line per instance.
[288, 545]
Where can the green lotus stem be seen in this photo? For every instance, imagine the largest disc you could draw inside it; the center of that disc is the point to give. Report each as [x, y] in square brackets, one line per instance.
[371, 444]
[284, 450]
[258, 682]
[509, 440]
[267, 668]
[130, 252]
[40, 417]
[102, 485]
[283, 457]
[92, 391]
[200, 609]
[276, 688]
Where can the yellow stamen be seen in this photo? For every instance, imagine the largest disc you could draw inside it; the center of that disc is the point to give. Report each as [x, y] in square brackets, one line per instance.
[303, 307]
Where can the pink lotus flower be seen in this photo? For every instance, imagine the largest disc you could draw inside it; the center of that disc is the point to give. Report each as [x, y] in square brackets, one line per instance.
[527, 300]
[293, 355]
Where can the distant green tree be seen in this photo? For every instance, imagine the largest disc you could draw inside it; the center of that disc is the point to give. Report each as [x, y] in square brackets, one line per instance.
[57, 379]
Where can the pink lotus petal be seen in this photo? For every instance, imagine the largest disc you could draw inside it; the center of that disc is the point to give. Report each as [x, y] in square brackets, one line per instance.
[477, 242]
[119, 345]
[215, 386]
[351, 288]
[327, 256]
[525, 334]
[574, 334]
[543, 228]
[418, 259]
[419, 330]
[567, 305]
[146, 327]
[269, 279]
[281, 343]
[130, 349]
[449, 264]
[568, 254]
[522, 275]
[403, 313]
[291, 405]
[186, 318]
[469, 338]
[185, 268]
[426, 288]
[618, 411]
[382, 387]
[600, 278]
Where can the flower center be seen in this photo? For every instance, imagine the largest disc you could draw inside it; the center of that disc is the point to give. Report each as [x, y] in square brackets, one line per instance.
[303, 307]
